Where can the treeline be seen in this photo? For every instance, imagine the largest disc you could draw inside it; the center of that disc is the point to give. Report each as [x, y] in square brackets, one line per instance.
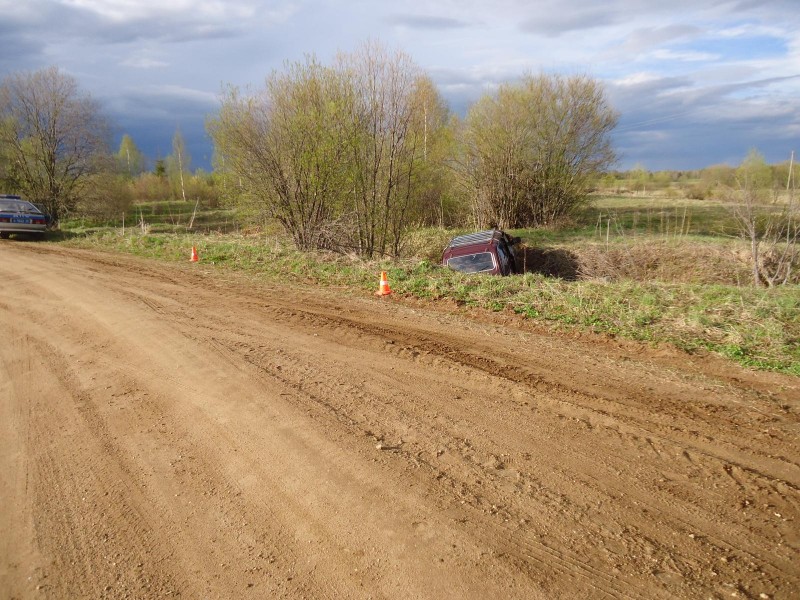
[711, 182]
[55, 151]
[347, 156]
[351, 156]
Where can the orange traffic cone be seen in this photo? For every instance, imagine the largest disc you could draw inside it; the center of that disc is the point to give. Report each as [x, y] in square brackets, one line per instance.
[383, 290]
[194, 257]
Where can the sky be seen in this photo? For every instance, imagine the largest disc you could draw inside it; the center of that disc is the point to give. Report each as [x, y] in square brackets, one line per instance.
[696, 83]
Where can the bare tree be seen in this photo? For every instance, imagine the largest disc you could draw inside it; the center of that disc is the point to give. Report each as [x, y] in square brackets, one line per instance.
[772, 229]
[532, 149]
[51, 137]
[385, 148]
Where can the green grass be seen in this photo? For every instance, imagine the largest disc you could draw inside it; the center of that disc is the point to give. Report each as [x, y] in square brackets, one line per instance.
[169, 216]
[758, 328]
[618, 216]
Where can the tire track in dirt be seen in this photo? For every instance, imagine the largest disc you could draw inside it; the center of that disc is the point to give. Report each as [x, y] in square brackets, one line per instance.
[447, 465]
[404, 349]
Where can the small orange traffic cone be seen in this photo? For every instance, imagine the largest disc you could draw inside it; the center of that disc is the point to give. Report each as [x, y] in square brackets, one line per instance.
[194, 257]
[383, 290]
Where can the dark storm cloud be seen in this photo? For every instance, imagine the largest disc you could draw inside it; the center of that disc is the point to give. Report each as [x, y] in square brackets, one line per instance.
[695, 83]
[53, 22]
[151, 117]
[19, 50]
[153, 136]
[669, 123]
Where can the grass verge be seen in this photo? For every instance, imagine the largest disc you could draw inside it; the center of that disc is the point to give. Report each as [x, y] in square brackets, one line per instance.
[758, 328]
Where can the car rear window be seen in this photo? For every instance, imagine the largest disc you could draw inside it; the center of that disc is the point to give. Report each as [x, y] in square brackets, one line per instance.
[472, 263]
[17, 206]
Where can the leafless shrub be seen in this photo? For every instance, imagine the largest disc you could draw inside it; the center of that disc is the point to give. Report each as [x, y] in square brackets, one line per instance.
[771, 229]
[149, 187]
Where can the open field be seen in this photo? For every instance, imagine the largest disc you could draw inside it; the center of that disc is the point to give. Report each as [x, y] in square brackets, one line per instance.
[170, 429]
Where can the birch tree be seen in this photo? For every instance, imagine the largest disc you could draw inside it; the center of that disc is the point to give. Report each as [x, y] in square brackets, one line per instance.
[771, 230]
[178, 163]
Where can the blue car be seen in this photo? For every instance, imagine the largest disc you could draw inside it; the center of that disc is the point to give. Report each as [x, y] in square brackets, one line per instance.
[20, 216]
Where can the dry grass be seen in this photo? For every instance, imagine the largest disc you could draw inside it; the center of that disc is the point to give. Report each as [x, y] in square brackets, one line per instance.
[664, 260]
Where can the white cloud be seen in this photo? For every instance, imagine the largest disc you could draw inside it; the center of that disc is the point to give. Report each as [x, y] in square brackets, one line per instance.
[637, 79]
[142, 62]
[686, 56]
[177, 92]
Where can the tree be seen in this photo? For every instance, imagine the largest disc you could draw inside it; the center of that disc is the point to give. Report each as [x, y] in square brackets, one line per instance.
[107, 196]
[160, 168]
[284, 149]
[335, 154]
[532, 149]
[52, 137]
[130, 160]
[639, 178]
[388, 144]
[177, 164]
[435, 201]
[773, 232]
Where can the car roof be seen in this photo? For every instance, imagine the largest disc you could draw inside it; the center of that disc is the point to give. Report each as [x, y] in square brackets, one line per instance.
[480, 237]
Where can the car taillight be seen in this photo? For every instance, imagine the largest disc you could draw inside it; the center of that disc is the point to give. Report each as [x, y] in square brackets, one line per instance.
[5, 219]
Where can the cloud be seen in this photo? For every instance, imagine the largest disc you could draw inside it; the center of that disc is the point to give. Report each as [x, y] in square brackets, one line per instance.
[701, 79]
[686, 56]
[149, 10]
[124, 21]
[158, 95]
[556, 22]
[680, 123]
[426, 22]
[143, 62]
[644, 38]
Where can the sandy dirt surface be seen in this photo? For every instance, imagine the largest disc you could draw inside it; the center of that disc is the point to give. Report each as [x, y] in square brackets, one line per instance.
[171, 430]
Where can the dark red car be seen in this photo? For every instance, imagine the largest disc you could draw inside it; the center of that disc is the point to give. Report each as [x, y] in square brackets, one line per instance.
[491, 251]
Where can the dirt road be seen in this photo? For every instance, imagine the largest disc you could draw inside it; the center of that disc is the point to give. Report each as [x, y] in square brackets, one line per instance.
[169, 430]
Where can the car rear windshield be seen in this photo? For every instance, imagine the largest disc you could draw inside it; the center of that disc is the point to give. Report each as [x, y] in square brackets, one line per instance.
[17, 206]
[472, 263]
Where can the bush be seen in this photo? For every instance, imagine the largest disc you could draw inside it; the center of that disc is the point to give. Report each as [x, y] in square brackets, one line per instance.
[107, 197]
[149, 187]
